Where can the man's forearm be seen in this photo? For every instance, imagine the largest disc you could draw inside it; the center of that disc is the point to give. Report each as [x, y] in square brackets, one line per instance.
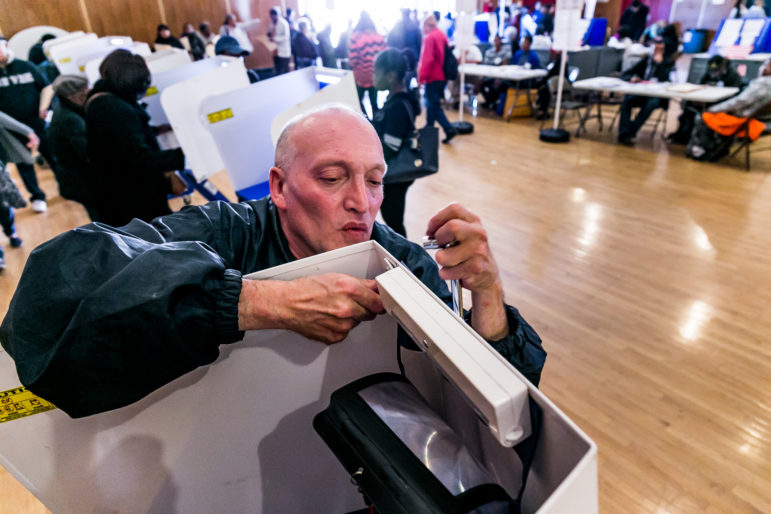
[46, 97]
[488, 315]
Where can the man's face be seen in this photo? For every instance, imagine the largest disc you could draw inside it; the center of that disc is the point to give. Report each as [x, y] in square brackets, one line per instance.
[165, 33]
[331, 192]
[766, 69]
[273, 17]
[497, 42]
[526, 45]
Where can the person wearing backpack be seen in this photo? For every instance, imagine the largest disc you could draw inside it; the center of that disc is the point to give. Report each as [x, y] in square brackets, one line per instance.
[394, 124]
[431, 72]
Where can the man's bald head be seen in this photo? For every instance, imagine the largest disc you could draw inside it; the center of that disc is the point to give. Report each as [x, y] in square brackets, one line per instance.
[299, 131]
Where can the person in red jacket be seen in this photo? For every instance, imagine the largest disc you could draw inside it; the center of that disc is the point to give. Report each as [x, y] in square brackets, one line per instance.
[431, 73]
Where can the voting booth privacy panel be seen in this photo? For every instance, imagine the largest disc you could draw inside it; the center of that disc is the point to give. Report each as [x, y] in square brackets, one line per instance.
[245, 123]
[236, 436]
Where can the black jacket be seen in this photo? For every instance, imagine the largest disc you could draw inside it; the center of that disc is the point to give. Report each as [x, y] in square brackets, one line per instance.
[642, 70]
[127, 165]
[68, 140]
[729, 78]
[104, 316]
[393, 122]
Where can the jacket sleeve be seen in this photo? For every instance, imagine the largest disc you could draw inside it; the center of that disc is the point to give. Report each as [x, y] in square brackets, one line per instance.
[743, 104]
[521, 347]
[103, 316]
[638, 70]
[11, 124]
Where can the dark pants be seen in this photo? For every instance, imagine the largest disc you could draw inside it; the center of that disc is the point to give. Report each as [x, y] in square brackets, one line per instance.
[392, 208]
[372, 98]
[27, 171]
[685, 122]
[281, 64]
[6, 219]
[628, 127]
[434, 112]
[27, 174]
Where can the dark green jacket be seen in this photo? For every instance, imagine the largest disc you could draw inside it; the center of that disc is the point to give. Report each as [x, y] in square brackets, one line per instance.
[103, 316]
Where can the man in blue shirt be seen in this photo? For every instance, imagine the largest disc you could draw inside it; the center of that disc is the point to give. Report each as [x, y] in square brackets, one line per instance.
[526, 57]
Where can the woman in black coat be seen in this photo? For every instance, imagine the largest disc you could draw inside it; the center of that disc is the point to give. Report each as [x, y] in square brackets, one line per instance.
[131, 175]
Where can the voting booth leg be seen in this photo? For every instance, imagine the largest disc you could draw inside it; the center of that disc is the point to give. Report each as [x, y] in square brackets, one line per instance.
[205, 188]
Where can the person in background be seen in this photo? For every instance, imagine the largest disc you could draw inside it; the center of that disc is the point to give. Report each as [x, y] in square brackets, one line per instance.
[431, 73]
[279, 33]
[130, 175]
[473, 55]
[635, 17]
[194, 41]
[657, 68]
[753, 102]
[653, 33]
[365, 44]
[164, 37]
[405, 34]
[303, 49]
[326, 49]
[738, 10]
[341, 50]
[69, 142]
[10, 198]
[229, 46]
[621, 39]
[394, 124]
[719, 73]
[525, 56]
[756, 10]
[497, 55]
[208, 37]
[230, 28]
[546, 21]
[36, 54]
[26, 96]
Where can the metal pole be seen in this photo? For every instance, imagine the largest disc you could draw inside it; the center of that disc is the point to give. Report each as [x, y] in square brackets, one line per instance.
[563, 62]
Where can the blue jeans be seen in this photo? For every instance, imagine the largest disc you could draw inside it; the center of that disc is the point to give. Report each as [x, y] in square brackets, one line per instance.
[434, 112]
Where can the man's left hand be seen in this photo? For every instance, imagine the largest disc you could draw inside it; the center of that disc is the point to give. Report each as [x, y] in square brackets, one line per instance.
[468, 258]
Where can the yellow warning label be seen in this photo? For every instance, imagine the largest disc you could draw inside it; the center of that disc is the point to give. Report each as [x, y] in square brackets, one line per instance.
[66, 59]
[20, 403]
[152, 90]
[82, 68]
[220, 115]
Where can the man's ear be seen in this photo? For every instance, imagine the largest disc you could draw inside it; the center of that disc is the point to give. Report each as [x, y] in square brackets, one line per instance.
[277, 183]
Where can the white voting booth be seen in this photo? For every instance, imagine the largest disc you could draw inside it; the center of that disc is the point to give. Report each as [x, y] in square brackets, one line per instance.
[24, 40]
[246, 123]
[89, 64]
[71, 56]
[236, 436]
[178, 99]
[166, 60]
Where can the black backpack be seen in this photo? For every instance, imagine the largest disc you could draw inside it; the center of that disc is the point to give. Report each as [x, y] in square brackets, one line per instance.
[450, 65]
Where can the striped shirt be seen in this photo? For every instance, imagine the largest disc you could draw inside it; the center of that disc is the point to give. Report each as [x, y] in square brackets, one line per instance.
[363, 48]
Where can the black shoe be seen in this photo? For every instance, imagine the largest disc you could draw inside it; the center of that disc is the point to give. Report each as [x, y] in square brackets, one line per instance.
[15, 242]
[449, 135]
[625, 139]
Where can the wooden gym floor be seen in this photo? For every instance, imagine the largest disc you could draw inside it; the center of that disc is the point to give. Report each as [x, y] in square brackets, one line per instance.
[647, 276]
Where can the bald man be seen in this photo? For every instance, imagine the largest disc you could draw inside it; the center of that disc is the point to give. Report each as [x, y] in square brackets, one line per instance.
[151, 302]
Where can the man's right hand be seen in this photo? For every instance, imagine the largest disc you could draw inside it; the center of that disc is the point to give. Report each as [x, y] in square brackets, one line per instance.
[324, 307]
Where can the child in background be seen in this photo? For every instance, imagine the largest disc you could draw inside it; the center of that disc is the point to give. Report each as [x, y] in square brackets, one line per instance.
[9, 198]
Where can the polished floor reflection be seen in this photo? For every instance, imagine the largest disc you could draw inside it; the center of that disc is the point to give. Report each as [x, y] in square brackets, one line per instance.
[648, 277]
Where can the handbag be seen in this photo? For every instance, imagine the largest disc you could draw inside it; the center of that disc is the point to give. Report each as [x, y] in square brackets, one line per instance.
[418, 157]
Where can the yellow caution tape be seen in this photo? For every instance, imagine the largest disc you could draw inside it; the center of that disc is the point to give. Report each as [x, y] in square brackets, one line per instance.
[152, 90]
[66, 59]
[220, 115]
[19, 403]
